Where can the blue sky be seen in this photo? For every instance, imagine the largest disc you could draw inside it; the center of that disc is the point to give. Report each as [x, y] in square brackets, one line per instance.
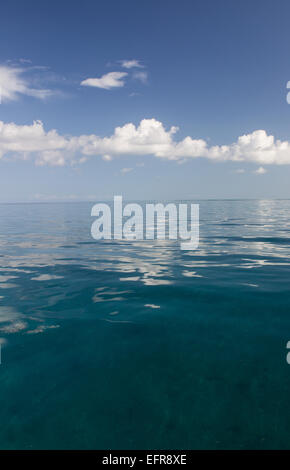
[217, 71]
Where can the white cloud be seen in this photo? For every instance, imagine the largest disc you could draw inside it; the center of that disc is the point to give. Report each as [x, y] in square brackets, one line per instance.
[148, 138]
[32, 140]
[142, 76]
[240, 171]
[260, 171]
[129, 64]
[25, 61]
[13, 83]
[107, 158]
[107, 81]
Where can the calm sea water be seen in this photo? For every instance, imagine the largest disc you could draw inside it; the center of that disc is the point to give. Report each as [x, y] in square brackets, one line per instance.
[117, 344]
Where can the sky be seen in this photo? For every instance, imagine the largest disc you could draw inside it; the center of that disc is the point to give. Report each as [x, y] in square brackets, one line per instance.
[150, 100]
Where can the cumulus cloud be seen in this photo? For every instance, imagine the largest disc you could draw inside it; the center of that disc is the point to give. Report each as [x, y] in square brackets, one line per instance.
[129, 64]
[32, 140]
[14, 83]
[107, 81]
[150, 137]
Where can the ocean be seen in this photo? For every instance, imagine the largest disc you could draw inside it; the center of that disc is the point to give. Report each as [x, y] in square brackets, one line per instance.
[139, 345]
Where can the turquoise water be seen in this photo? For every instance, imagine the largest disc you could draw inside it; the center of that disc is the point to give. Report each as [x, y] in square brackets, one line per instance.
[127, 345]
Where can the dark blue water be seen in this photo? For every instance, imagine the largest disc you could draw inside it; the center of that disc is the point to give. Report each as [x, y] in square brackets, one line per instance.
[119, 344]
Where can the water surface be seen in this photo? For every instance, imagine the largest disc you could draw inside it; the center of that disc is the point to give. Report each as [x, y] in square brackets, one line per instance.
[127, 345]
